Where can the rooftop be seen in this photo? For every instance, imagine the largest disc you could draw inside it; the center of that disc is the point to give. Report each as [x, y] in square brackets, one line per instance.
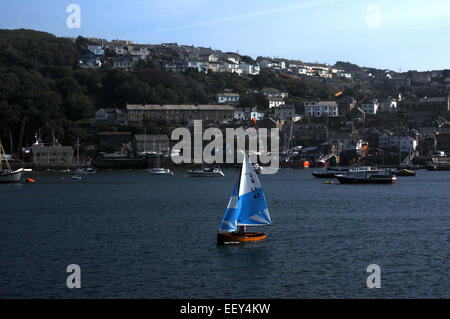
[158, 107]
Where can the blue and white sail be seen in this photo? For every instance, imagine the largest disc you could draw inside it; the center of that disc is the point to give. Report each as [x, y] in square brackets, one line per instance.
[247, 205]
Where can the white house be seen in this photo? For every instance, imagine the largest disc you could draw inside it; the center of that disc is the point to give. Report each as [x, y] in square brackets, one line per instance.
[270, 92]
[405, 143]
[275, 102]
[232, 67]
[227, 98]
[370, 107]
[317, 109]
[242, 113]
[257, 115]
[266, 63]
[249, 69]
[343, 74]
[388, 106]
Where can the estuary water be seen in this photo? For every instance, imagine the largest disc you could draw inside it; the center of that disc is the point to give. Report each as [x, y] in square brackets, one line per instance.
[136, 235]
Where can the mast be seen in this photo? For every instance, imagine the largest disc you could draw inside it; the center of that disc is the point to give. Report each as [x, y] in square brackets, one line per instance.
[78, 152]
[145, 141]
[2, 152]
[11, 142]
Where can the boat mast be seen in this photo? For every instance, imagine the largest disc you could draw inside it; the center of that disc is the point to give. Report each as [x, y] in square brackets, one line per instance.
[145, 141]
[11, 142]
[2, 152]
[78, 152]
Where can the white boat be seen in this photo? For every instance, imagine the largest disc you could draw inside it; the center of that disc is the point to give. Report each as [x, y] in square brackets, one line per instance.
[7, 175]
[86, 170]
[78, 177]
[206, 172]
[160, 171]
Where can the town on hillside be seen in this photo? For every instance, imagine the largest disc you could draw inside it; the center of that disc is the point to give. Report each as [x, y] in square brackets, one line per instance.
[342, 113]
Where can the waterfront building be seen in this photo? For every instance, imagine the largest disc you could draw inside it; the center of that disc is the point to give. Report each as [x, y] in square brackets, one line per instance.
[155, 143]
[48, 156]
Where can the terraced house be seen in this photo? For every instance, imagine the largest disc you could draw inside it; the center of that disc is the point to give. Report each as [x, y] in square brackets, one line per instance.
[180, 113]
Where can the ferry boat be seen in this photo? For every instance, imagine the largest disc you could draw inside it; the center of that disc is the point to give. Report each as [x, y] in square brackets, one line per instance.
[331, 172]
[247, 207]
[363, 176]
[206, 172]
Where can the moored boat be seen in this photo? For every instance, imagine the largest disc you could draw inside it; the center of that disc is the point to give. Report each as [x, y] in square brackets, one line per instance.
[7, 175]
[438, 166]
[247, 207]
[160, 171]
[10, 176]
[206, 172]
[357, 176]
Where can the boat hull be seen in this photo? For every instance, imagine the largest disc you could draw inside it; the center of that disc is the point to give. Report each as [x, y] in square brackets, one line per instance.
[323, 175]
[355, 180]
[13, 177]
[236, 237]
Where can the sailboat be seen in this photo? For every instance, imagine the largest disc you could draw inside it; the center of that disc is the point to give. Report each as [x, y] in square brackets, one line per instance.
[77, 176]
[7, 175]
[159, 170]
[247, 207]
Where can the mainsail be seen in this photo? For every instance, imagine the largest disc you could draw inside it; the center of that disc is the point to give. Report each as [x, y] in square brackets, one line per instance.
[247, 205]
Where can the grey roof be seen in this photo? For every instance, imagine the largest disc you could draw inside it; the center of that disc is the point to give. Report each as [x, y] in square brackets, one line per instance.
[188, 107]
[151, 137]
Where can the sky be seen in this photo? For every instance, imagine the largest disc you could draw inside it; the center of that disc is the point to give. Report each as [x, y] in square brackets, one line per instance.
[400, 35]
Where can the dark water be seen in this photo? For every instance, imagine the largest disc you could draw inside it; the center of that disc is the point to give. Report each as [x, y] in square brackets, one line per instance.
[141, 236]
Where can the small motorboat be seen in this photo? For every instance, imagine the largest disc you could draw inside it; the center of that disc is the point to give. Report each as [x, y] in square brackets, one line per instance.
[77, 177]
[160, 171]
[85, 170]
[206, 172]
[404, 172]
